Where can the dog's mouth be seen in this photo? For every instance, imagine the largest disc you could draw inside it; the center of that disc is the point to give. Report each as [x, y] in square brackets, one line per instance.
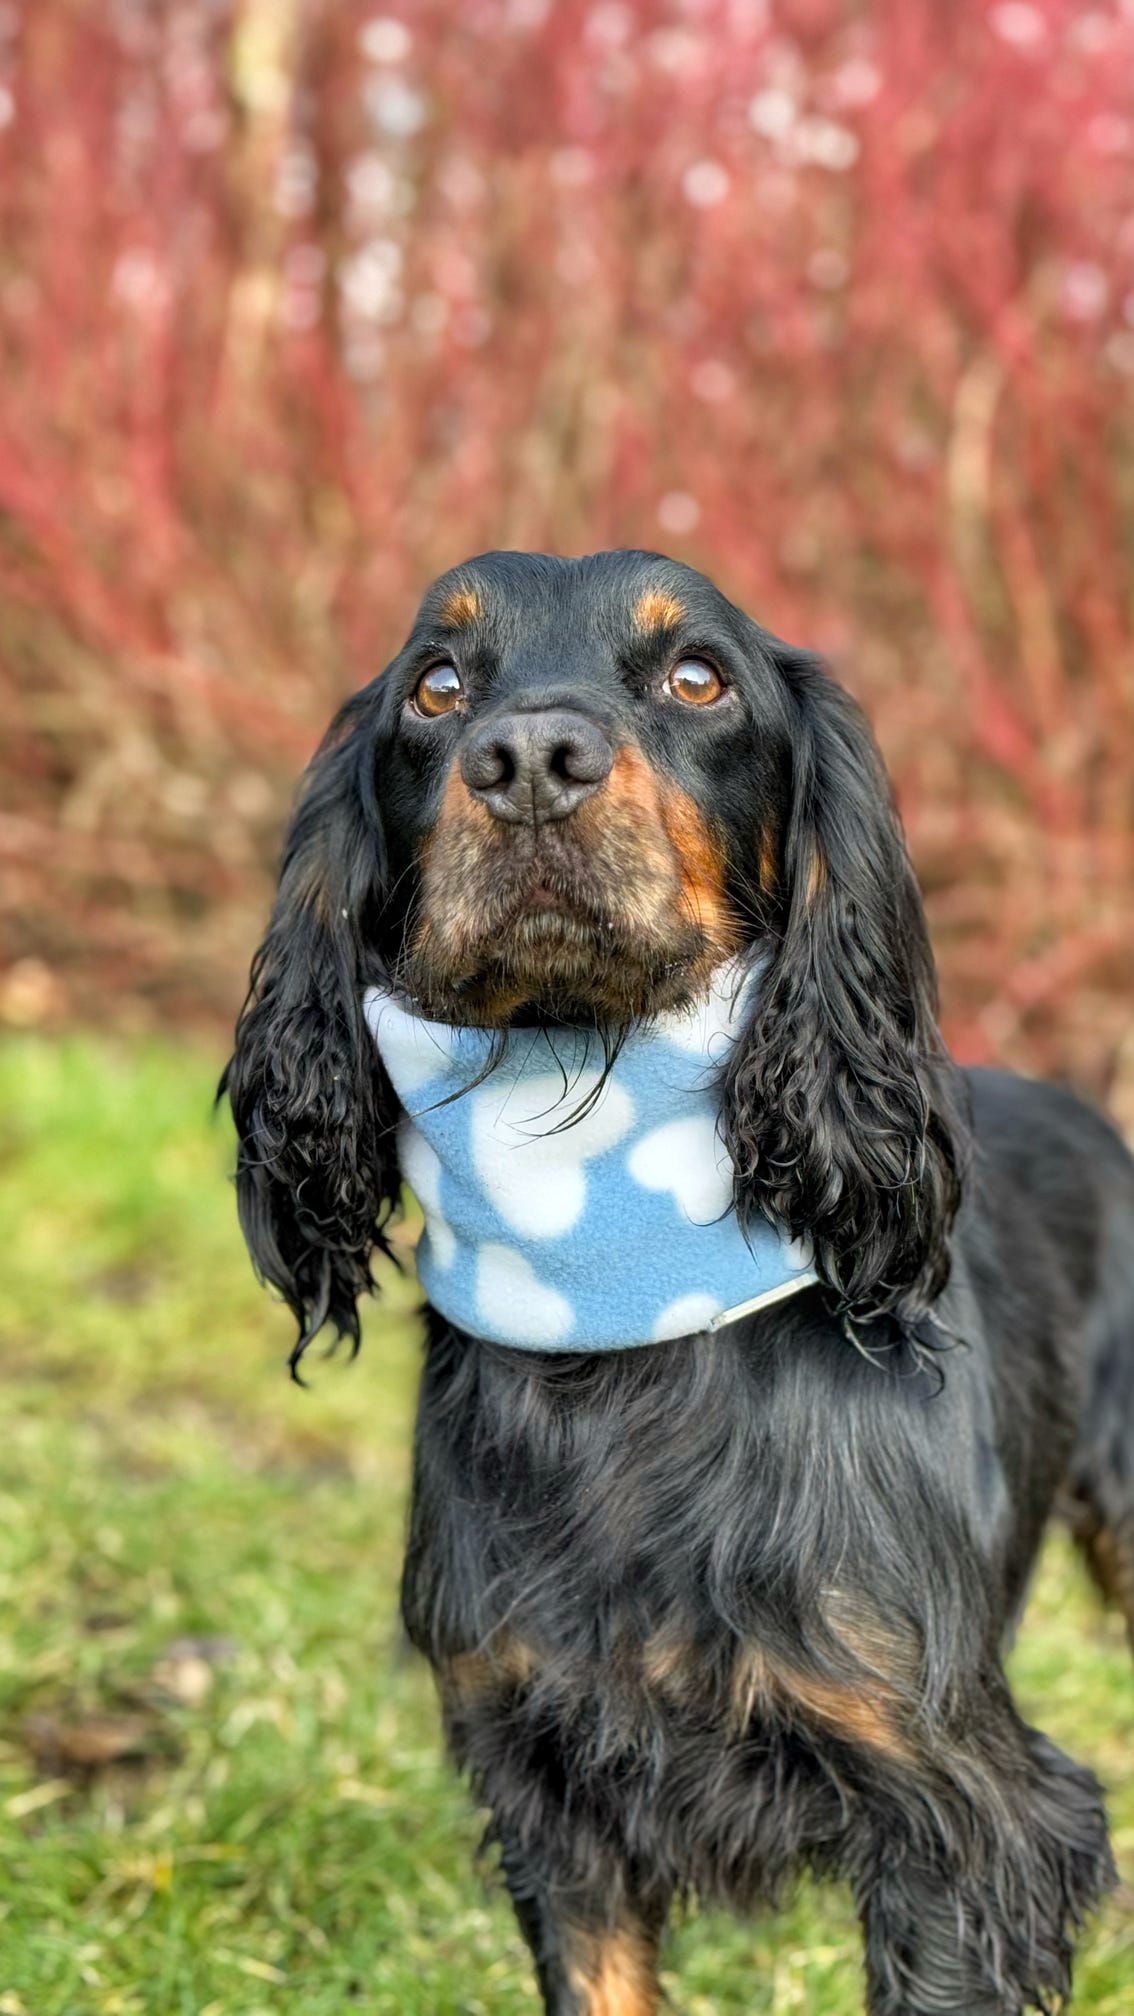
[613, 914]
[532, 944]
[544, 898]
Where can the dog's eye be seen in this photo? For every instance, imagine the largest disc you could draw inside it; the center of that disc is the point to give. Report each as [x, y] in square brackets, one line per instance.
[694, 682]
[439, 690]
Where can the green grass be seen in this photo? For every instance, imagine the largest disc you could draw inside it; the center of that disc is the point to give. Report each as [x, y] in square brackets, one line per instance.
[265, 1823]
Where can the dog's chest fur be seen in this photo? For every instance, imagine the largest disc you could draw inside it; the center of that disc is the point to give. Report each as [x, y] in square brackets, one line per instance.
[675, 1580]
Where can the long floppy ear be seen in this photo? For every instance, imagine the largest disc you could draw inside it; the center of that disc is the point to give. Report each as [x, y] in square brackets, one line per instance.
[316, 1176]
[841, 1107]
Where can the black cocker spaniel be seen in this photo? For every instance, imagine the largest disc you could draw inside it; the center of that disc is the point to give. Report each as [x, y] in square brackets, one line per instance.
[712, 1610]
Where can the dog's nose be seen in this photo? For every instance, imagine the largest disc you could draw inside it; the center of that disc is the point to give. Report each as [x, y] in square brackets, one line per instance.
[530, 767]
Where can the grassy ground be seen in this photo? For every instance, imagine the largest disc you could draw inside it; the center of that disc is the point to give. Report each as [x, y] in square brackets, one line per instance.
[220, 1785]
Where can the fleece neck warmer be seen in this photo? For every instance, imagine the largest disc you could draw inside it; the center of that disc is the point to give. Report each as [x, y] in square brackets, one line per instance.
[565, 1211]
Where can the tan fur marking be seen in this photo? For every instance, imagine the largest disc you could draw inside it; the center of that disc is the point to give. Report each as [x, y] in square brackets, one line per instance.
[614, 1973]
[656, 609]
[460, 607]
[671, 1665]
[852, 1715]
[751, 1685]
[464, 840]
[891, 1656]
[767, 862]
[702, 869]
[632, 782]
[498, 1667]
[868, 1712]
[816, 876]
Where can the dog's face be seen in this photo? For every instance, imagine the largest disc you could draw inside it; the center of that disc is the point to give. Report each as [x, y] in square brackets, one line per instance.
[578, 787]
[583, 776]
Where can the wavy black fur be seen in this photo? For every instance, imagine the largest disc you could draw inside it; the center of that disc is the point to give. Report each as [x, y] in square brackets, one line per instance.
[710, 1614]
[841, 1109]
[317, 1177]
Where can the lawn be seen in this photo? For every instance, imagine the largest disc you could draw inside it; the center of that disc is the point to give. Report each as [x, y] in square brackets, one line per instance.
[221, 1791]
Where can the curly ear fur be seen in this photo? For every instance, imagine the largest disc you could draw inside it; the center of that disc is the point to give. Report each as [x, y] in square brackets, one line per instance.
[840, 1106]
[316, 1175]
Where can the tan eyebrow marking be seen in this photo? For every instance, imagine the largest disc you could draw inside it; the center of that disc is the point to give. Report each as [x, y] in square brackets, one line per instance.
[461, 606]
[656, 609]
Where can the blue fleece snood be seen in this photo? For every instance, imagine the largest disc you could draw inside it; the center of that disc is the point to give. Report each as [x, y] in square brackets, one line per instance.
[568, 1213]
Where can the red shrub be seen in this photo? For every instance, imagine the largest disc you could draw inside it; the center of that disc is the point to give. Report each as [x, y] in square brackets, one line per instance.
[300, 302]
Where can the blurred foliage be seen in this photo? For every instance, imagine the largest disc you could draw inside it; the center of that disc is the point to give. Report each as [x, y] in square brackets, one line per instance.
[221, 1784]
[301, 301]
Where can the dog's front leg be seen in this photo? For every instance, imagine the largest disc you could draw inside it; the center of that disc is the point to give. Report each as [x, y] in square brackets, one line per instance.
[976, 1881]
[591, 1914]
[594, 1956]
[919, 1952]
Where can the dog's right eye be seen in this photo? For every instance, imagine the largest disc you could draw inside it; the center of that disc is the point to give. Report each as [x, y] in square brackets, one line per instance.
[438, 691]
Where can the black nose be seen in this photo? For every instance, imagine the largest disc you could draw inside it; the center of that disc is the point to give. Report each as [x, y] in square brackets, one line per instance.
[531, 767]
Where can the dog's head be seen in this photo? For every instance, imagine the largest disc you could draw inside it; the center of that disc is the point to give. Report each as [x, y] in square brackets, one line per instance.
[578, 787]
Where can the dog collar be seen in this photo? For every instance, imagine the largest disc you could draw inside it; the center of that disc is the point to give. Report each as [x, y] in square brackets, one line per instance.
[566, 1210]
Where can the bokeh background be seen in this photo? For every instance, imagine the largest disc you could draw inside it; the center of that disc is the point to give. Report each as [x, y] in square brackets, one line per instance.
[300, 302]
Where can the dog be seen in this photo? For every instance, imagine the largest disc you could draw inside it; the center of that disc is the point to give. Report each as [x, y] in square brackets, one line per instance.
[725, 1600]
